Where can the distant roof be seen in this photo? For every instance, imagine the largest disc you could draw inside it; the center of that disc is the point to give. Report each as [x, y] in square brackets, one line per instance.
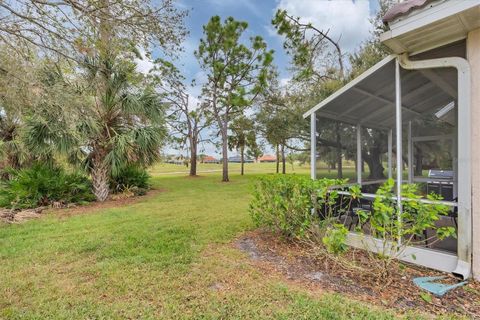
[267, 157]
[209, 158]
[403, 8]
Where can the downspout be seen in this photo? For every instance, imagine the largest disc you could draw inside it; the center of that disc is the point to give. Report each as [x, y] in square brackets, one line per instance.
[464, 243]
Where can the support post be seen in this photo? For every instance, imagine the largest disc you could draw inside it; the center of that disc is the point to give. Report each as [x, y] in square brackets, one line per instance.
[398, 127]
[313, 146]
[359, 154]
[390, 152]
[410, 153]
[473, 56]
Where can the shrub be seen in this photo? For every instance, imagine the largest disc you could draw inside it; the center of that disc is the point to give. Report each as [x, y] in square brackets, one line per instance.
[301, 208]
[41, 185]
[335, 239]
[133, 178]
[416, 217]
[289, 204]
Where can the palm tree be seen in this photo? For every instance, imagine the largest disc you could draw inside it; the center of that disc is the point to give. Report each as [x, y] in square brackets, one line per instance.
[242, 137]
[119, 121]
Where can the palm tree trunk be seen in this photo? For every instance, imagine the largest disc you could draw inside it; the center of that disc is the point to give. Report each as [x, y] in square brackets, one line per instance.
[100, 176]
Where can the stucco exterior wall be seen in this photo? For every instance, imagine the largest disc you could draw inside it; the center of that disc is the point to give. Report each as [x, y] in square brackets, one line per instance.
[473, 56]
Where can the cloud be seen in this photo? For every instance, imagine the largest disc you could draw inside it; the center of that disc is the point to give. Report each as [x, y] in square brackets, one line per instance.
[347, 20]
[145, 64]
[285, 81]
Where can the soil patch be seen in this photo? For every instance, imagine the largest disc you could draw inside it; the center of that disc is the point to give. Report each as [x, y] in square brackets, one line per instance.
[297, 264]
[111, 203]
[19, 216]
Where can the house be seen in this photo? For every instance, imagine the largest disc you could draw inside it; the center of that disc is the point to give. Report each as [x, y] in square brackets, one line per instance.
[238, 159]
[267, 158]
[210, 159]
[426, 92]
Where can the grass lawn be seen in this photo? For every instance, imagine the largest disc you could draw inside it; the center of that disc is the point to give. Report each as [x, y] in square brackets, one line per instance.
[168, 256]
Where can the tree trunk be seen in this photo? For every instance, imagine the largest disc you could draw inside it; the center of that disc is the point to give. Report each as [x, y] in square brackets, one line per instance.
[374, 161]
[278, 158]
[283, 160]
[193, 159]
[225, 154]
[100, 176]
[242, 160]
[418, 162]
[339, 164]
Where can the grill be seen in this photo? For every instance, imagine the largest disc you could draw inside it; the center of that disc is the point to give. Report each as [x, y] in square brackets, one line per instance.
[441, 182]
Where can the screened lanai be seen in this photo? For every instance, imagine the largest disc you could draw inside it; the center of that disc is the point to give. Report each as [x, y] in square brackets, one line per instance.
[406, 118]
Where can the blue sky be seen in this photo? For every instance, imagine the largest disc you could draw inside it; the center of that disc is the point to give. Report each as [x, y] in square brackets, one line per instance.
[347, 20]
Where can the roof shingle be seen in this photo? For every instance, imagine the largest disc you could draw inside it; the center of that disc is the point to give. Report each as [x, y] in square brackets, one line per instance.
[403, 8]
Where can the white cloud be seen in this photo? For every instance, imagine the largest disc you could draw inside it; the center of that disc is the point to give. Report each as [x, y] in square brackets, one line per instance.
[145, 64]
[347, 20]
[285, 81]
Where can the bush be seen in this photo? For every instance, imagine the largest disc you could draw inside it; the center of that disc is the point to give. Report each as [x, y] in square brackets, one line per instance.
[289, 204]
[133, 178]
[42, 185]
[415, 219]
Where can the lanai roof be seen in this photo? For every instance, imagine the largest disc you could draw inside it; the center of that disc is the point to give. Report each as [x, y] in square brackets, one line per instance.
[369, 100]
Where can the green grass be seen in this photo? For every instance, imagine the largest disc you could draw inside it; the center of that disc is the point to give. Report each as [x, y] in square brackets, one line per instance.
[168, 256]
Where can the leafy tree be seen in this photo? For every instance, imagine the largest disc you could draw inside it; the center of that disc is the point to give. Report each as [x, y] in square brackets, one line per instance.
[236, 73]
[242, 138]
[280, 121]
[315, 54]
[318, 75]
[123, 125]
[76, 28]
[119, 120]
[187, 120]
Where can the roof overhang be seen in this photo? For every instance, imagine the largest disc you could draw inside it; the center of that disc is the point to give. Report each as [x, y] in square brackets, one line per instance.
[437, 24]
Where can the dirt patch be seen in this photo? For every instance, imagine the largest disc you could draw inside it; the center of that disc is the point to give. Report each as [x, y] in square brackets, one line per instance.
[111, 203]
[15, 216]
[19, 216]
[294, 262]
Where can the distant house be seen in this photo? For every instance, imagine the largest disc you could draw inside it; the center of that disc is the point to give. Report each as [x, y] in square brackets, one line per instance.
[267, 158]
[238, 159]
[210, 159]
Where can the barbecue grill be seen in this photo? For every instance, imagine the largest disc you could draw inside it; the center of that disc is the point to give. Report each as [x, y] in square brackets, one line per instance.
[441, 182]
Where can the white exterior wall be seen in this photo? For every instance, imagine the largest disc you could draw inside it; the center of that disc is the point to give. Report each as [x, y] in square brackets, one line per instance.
[473, 56]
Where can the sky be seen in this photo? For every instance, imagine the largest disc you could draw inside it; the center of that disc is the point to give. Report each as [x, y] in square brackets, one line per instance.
[347, 20]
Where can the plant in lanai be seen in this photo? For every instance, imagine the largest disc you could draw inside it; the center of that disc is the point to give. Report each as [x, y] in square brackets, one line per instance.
[236, 73]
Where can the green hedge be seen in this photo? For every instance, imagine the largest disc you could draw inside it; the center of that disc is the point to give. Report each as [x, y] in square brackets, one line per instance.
[285, 203]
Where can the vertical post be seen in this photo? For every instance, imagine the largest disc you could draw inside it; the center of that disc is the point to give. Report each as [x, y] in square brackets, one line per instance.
[398, 127]
[313, 146]
[469, 155]
[390, 147]
[359, 154]
[410, 153]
